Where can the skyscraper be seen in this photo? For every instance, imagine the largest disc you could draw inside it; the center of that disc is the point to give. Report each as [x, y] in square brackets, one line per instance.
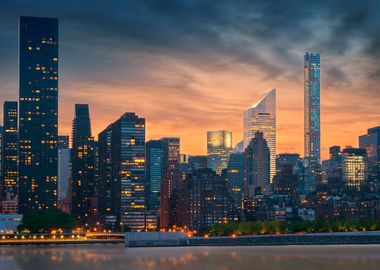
[38, 119]
[371, 142]
[354, 167]
[262, 117]
[219, 149]
[64, 173]
[257, 166]
[235, 178]
[82, 163]
[156, 162]
[174, 147]
[312, 100]
[122, 173]
[9, 151]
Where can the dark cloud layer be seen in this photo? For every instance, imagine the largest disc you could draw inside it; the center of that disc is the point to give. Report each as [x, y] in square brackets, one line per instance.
[132, 43]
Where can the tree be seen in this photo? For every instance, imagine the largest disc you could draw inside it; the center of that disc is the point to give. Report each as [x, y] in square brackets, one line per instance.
[47, 220]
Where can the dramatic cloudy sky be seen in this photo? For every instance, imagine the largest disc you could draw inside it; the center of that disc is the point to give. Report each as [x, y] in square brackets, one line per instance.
[194, 65]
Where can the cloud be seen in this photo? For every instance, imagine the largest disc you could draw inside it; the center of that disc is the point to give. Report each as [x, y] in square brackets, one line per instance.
[194, 65]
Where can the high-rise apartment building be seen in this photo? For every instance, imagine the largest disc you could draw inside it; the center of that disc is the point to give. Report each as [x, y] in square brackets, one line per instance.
[204, 200]
[257, 166]
[354, 167]
[219, 149]
[121, 185]
[261, 117]
[82, 164]
[10, 149]
[312, 100]
[235, 178]
[38, 113]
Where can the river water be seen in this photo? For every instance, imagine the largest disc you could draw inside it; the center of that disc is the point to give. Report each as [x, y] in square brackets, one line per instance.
[109, 257]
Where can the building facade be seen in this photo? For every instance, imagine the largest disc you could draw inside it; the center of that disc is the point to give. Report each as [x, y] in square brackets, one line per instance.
[156, 162]
[204, 200]
[262, 117]
[257, 166]
[38, 113]
[235, 179]
[354, 167]
[121, 185]
[371, 143]
[64, 174]
[10, 153]
[82, 164]
[219, 149]
[312, 100]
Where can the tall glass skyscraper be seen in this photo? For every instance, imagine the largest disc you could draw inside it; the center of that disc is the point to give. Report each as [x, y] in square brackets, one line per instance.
[9, 151]
[156, 162]
[219, 149]
[122, 173]
[312, 100]
[38, 113]
[83, 163]
[262, 117]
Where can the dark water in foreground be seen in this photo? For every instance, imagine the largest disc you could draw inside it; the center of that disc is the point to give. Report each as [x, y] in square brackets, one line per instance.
[83, 257]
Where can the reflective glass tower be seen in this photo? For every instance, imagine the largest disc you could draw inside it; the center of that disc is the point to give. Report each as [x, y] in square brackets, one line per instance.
[312, 100]
[38, 113]
[219, 149]
[262, 117]
[121, 182]
[156, 162]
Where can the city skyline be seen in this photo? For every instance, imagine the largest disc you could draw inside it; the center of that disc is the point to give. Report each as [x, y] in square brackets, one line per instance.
[221, 74]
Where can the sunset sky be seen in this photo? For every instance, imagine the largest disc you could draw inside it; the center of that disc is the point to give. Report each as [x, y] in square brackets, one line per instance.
[193, 66]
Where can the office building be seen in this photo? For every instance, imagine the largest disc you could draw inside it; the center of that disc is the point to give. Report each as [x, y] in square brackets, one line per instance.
[261, 117]
[235, 178]
[82, 164]
[121, 185]
[257, 166]
[174, 148]
[204, 200]
[38, 113]
[312, 100]
[219, 149]
[354, 167]
[10, 152]
[371, 143]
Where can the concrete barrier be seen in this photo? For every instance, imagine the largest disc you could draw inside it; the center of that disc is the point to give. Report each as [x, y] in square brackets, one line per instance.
[155, 239]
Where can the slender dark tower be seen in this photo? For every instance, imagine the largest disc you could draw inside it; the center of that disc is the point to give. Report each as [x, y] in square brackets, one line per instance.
[83, 161]
[38, 113]
[9, 152]
[312, 113]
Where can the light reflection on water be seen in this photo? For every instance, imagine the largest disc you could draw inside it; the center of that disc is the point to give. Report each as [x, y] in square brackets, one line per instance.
[83, 257]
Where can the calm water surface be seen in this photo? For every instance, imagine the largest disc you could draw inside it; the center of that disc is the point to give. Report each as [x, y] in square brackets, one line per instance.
[83, 257]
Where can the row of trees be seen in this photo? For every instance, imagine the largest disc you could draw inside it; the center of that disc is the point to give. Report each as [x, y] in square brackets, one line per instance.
[293, 226]
[46, 221]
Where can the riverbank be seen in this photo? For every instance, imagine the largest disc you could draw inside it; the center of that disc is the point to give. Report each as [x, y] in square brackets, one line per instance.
[344, 238]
